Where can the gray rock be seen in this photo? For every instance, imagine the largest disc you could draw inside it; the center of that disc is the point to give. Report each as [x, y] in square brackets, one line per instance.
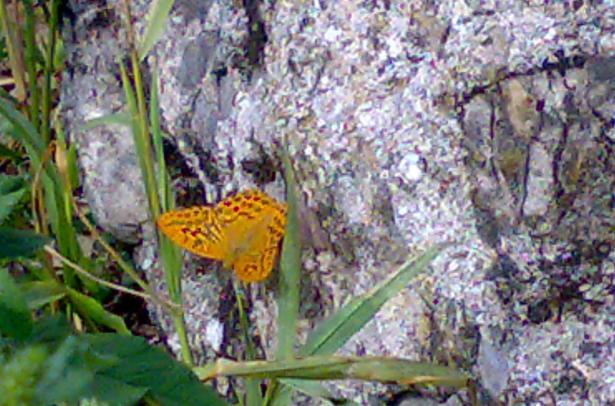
[92, 89]
[485, 123]
[493, 367]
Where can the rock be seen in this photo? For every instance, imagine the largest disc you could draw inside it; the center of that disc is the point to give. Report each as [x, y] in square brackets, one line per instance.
[493, 367]
[488, 124]
[91, 90]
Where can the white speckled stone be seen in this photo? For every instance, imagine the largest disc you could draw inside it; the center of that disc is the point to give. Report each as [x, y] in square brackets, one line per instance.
[413, 123]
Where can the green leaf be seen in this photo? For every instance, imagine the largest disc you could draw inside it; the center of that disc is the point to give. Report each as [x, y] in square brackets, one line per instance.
[92, 309]
[143, 366]
[51, 330]
[19, 374]
[20, 243]
[115, 392]
[41, 293]
[334, 332]
[15, 319]
[12, 189]
[156, 24]
[68, 372]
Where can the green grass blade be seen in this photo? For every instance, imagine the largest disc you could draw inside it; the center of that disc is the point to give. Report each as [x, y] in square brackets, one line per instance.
[47, 98]
[171, 258]
[154, 116]
[289, 284]
[156, 24]
[91, 309]
[61, 225]
[26, 133]
[334, 332]
[12, 189]
[253, 390]
[14, 49]
[30, 61]
[290, 266]
[41, 293]
[23, 131]
[330, 367]
[122, 119]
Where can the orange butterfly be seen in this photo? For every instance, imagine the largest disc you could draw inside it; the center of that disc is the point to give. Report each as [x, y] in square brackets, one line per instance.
[243, 231]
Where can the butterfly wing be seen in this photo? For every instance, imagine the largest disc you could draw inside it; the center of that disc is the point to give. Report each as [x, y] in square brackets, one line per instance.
[197, 229]
[255, 266]
[254, 224]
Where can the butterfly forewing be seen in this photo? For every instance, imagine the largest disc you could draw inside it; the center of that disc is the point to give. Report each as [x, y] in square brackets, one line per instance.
[196, 229]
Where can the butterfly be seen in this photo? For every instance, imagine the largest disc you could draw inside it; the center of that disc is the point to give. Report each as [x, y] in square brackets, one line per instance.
[243, 231]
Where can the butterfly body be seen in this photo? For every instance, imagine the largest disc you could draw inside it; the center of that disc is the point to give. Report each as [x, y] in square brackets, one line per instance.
[243, 231]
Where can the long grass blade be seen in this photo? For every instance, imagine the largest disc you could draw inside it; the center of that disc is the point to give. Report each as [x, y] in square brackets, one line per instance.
[170, 257]
[30, 61]
[15, 51]
[333, 333]
[156, 24]
[288, 286]
[164, 192]
[23, 131]
[290, 264]
[122, 119]
[329, 367]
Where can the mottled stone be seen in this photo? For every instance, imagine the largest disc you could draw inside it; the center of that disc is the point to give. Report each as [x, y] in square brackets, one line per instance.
[484, 123]
[493, 366]
[91, 89]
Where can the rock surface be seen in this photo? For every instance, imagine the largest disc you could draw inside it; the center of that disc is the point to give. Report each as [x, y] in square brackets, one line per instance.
[486, 123]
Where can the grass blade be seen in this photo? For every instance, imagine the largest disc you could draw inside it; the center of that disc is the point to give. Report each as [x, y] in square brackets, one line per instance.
[333, 333]
[156, 23]
[330, 367]
[122, 119]
[90, 308]
[15, 51]
[289, 284]
[30, 61]
[41, 293]
[164, 192]
[170, 256]
[290, 275]
[23, 131]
